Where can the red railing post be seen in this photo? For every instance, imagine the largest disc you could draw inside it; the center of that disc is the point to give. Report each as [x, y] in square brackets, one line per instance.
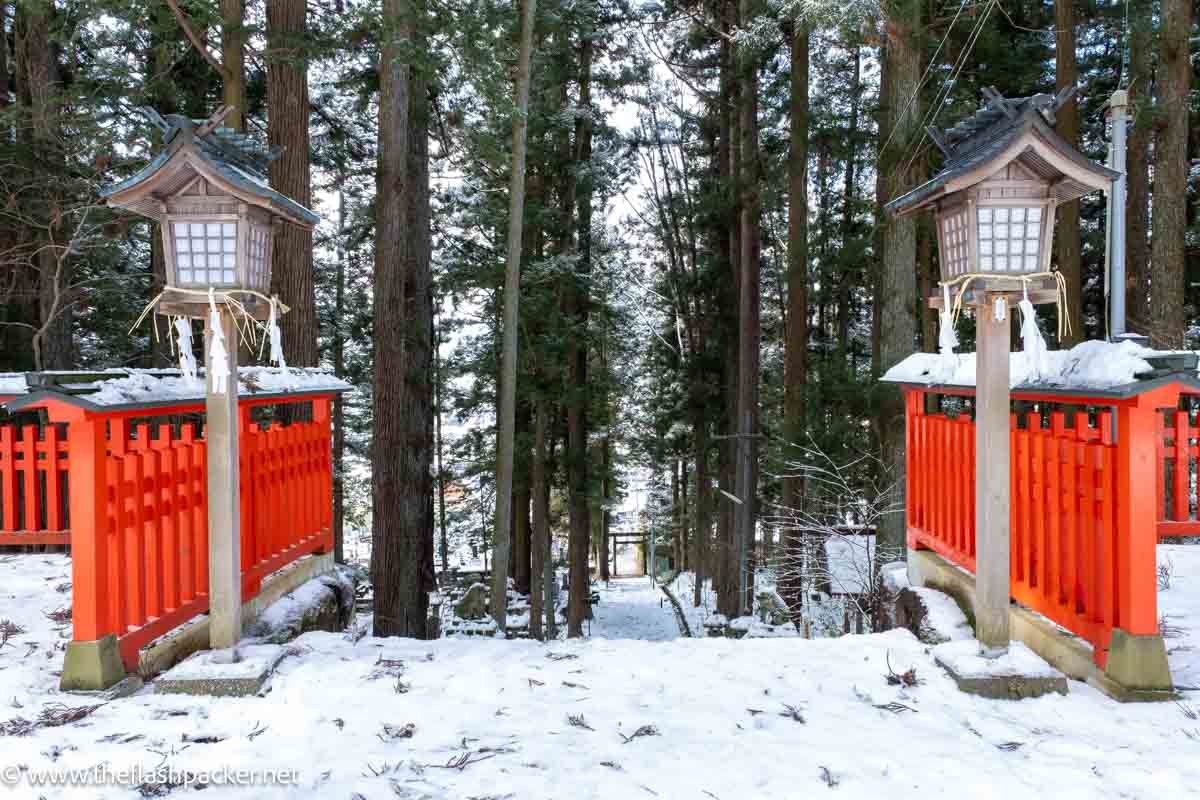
[88, 457]
[323, 419]
[1138, 471]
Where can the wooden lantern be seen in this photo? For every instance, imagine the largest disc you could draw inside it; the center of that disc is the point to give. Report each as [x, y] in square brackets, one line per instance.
[1006, 171]
[218, 215]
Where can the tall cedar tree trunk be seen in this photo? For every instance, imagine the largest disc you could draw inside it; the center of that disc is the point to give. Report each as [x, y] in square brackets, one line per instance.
[1171, 177]
[1137, 168]
[339, 369]
[521, 499]
[683, 514]
[676, 512]
[796, 334]
[749, 322]
[540, 528]
[16, 341]
[725, 578]
[233, 60]
[443, 532]
[1066, 232]
[402, 553]
[606, 488]
[576, 306]
[287, 128]
[160, 56]
[701, 558]
[897, 291]
[39, 84]
[512, 291]
[849, 276]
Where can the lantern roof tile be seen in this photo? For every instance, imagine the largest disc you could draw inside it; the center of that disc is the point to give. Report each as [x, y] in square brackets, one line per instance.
[988, 134]
[234, 156]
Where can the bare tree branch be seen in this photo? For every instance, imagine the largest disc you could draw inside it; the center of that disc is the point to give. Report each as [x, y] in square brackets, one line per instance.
[195, 39]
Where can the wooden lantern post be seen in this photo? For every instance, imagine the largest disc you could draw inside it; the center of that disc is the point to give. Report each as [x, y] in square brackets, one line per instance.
[217, 216]
[224, 496]
[1005, 173]
[992, 580]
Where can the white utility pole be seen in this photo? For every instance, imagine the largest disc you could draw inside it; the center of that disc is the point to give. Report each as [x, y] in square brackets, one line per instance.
[1117, 105]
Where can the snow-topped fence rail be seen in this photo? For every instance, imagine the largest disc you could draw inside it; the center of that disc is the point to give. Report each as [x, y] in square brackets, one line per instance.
[1098, 475]
[120, 474]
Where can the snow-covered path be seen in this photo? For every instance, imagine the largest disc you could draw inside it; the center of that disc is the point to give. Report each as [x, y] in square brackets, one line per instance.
[633, 608]
[605, 718]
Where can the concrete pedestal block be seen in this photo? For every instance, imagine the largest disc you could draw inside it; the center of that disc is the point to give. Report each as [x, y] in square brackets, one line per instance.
[1139, 663]
[211, 672]
[92, 666]
[1137, 668]
[1019, 674]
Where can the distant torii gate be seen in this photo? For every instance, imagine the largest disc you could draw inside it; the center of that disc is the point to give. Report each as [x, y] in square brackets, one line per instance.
[618, 538]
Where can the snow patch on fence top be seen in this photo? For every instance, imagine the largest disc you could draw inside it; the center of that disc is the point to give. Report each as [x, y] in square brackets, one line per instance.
[1088, 365]
[143, 387]
[13, 383]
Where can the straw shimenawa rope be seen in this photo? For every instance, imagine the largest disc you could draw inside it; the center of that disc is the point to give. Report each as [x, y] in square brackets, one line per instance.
[247, 326]
[1064, 319]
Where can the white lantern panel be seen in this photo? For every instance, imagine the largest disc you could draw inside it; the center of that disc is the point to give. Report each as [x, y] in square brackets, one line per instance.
[1009, 239]
[205, 253]
[259, 268]
[953, 244]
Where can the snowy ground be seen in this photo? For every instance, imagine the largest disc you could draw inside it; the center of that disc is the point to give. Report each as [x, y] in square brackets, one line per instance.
[633, 608]
[1179, 611]
[493, 719]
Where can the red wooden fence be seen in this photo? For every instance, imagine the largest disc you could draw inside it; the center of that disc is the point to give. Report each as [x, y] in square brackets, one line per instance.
[1083, 519]
[33, 469]
[138, 506]
[1178, 454]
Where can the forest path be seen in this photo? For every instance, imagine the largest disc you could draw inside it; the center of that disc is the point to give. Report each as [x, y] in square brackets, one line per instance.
[633, 608]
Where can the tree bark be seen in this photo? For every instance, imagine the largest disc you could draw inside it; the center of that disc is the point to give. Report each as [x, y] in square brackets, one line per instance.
[897, 280]
[233, 61]
[676, 512]
[287, 128]
[512, 291]
[605, 516]
[443, 530]
[1137, 169]
[39, 89]
[1066, 235]
[576, 306]
[725, 572]
[339, 407]
[684, 514]
[796, 341]
[540, 529]
[1170, 177]
[402, 530]
[749, 323]
[848, 276]
[522, 496]
[702, 533]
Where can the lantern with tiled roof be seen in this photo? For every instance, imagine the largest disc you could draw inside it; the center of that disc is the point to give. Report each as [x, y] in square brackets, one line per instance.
[1005, 172]
[218, 214]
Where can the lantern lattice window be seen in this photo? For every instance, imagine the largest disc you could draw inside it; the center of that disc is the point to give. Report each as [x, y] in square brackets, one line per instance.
[206, 252]
[955, 243]
[1010, 239]
[259, 258]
